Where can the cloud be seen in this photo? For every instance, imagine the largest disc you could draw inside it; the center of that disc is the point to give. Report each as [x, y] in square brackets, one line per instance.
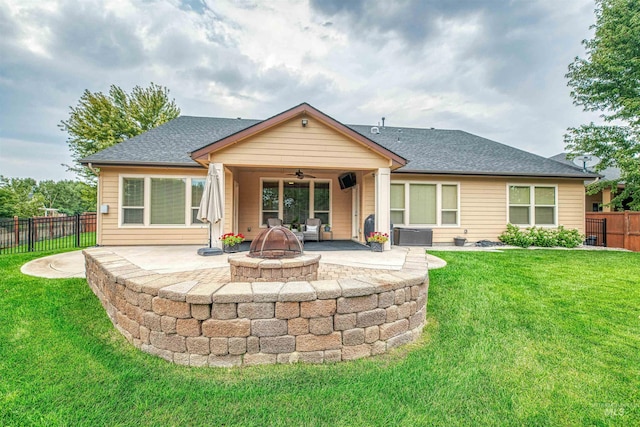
[493, 68]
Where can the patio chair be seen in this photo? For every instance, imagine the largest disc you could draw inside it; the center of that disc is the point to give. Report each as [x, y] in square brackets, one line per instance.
[312, 229]
[272, 222]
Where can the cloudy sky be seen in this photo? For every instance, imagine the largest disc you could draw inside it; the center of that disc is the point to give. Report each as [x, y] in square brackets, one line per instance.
[490, 67]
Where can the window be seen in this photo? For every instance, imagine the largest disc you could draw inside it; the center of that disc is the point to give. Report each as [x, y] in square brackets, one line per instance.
[449, 204]
[197, 189]
[167, 201]
[532, 205]
[295, 200]
[321, 201]
[397, 203]
[270, 200]
[295, 207]
[161, 201]
[133, 201]
[424, 204]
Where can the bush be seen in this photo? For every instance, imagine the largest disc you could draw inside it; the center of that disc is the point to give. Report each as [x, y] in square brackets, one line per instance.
[541, 237]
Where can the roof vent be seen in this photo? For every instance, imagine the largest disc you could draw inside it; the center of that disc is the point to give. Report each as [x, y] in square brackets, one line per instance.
[375, 129]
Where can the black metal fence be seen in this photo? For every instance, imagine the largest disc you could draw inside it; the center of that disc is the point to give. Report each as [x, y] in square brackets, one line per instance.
[596, 232]
[19, 235]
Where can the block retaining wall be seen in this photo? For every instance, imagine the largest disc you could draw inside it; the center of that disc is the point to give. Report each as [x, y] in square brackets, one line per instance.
[200, 323]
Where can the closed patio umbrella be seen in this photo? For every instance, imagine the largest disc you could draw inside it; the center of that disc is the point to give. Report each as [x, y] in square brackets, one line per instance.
[210, 209]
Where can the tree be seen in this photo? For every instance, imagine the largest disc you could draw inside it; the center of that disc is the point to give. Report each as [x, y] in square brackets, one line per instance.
[69, 197]
[100, 121]
[25, 198]
[608, 81]
[18, 197]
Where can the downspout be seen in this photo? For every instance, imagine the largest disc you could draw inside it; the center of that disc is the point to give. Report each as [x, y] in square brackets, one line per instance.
[90, 166]
[98, 201]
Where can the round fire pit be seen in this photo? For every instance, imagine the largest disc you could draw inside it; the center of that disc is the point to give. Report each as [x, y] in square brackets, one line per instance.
[276, 255]
[276, 243]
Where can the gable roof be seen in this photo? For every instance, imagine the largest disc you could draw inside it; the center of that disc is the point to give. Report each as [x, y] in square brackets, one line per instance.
[302, 110]
[427, 151]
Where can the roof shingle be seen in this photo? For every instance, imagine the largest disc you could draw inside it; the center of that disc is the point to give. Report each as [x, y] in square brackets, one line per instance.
[433, 151]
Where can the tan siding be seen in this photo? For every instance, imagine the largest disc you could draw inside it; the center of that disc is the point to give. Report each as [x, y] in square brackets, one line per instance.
[341, 211]
[228, 201]
[590, 199]
[571, 204]
[291, 145]
[368, 196]
[111, 234]
[483, 205]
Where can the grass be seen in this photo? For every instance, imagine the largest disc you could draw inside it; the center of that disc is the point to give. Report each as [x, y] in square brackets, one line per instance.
[516, 338]
[59, 243]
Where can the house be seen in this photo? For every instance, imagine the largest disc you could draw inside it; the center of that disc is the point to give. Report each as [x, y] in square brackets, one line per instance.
[597, 202]
[292, 165]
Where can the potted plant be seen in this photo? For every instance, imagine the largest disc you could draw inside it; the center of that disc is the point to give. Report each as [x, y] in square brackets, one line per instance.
[231, 242]
[327, 227]
[377, 240]
[295, 224]
[459, 241]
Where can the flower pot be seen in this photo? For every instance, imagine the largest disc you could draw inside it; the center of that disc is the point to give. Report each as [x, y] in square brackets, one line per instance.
[459, 241]
[327, 229]
[232, 248]
[376, 246]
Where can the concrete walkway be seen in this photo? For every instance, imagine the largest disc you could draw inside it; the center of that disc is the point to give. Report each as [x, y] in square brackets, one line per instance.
[173, 259]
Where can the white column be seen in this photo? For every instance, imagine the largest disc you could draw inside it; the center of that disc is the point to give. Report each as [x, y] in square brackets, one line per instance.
[217, 230]
[383, 202]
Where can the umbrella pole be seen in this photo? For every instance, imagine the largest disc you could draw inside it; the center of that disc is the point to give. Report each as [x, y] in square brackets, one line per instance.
[210, 237]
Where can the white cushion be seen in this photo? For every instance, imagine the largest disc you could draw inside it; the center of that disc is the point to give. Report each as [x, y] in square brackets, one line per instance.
[312, 228]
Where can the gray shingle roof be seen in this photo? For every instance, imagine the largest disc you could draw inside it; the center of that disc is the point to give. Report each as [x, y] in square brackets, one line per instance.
[170, 143]
[461, 153]
[433, 151]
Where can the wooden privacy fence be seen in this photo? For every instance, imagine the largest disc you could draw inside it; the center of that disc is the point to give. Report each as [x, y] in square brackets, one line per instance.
[623, 228]
[47, 233]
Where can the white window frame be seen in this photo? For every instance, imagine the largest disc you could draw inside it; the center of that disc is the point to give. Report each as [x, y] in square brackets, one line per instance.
[281, 184]
[404, 209]
[438, 184]
[147, 201]
[532, 204]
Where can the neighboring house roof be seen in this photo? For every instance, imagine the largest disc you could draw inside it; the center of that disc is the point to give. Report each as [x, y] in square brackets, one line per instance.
[432, 151]
[608, 174]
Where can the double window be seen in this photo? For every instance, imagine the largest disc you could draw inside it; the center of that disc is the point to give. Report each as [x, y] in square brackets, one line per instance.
[295, 201]
[424, 204]
[532, 205]
[160, 201]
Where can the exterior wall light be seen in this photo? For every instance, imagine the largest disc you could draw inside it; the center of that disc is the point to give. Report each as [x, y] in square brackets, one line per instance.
[304, 122]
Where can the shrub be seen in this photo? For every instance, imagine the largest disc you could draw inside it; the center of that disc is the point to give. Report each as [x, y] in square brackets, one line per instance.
[541, 237]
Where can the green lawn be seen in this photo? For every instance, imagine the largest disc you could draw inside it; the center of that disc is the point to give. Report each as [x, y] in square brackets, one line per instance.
[57, 244]
[516, 338]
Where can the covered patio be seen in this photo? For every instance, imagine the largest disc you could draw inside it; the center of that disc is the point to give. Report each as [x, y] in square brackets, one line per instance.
[297, 165]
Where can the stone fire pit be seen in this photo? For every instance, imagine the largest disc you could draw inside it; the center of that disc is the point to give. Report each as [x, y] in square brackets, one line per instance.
[275, 255]
[247, 269]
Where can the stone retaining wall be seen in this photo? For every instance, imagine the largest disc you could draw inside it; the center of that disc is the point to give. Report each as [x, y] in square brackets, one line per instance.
[205, 323]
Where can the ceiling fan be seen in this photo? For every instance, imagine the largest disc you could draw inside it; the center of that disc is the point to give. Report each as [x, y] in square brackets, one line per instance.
[301, 175]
